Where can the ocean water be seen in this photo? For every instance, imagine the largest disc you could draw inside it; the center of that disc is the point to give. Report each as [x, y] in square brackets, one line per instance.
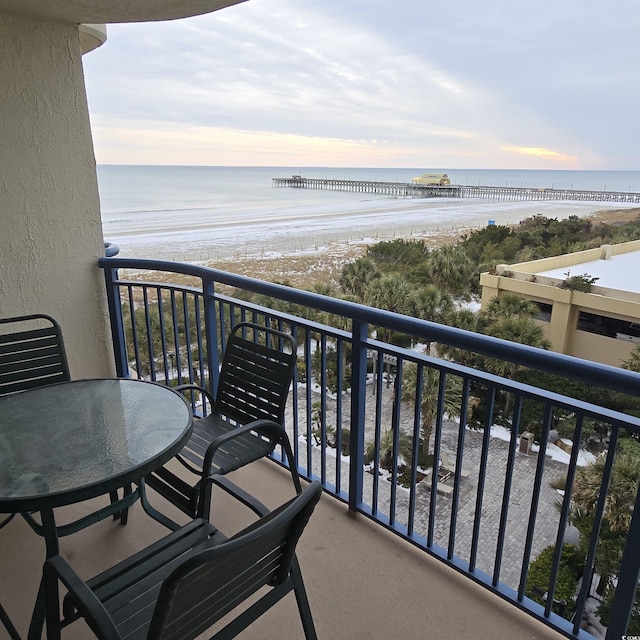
[209, 213]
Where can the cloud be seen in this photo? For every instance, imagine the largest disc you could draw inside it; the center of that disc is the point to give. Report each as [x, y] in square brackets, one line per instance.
[549, 154]
[194, 145]
[529, 85]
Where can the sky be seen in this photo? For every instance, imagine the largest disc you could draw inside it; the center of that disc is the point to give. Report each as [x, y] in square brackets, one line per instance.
[532, 84]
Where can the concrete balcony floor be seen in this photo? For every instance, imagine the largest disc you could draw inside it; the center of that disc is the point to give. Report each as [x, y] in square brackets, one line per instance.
[363, 582]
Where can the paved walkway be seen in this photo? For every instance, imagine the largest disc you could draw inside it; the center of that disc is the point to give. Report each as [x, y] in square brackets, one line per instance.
[519, 501]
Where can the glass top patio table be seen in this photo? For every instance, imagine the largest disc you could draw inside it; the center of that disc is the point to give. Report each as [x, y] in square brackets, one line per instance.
[72, 441]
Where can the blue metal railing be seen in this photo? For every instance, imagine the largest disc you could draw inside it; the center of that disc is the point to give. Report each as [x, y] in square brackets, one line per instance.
[361, 410]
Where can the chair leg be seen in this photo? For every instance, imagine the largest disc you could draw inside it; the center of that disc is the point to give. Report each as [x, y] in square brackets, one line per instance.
[303, 602]
[152, 511]
[8, 625]
[286, 445]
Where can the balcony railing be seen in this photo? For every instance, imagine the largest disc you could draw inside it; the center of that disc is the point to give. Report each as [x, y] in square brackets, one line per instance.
[475, 495]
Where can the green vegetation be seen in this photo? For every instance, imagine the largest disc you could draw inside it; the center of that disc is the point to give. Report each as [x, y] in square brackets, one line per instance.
[386, 448]
[583, 282]
[454, 270]
[571, 562]
[621, 495]
[540, 237]
[613, 535]
[150, 323]
[408, 277]
[431, 381]
[632, 363]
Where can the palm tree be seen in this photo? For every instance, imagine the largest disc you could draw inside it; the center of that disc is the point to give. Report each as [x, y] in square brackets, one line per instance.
[333, 320]
[324, 289]
[510, 317]
[386, 450]
[520, 329]
[620, 500]
[356, 277]
[391, 293]
[625, 480]
[428, 397]
[450, 268]
[469, 321]
[510, 304]
[433, 305]
[632, 363]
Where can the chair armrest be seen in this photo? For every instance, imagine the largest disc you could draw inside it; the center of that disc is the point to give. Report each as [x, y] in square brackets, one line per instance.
[264, 513]
[272, 430]
[195, 387]
[235, 491]
[268, 428]
[90, 607]
[314, 489]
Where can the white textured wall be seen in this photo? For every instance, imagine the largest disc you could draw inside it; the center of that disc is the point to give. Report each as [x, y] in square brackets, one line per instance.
[50, 229]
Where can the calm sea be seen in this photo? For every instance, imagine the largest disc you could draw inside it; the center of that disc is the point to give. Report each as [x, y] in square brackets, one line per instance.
[204, 213]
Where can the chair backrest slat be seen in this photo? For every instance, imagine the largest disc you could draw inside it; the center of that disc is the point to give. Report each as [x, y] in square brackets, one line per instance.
[31, 358]
[255, 378]
[213, 582]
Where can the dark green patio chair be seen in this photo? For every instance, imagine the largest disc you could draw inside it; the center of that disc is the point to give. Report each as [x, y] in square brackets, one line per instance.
[185, 583]
[32, 355]
[245, 422]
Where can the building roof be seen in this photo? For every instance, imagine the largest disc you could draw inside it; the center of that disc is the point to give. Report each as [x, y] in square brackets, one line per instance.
[620, 271]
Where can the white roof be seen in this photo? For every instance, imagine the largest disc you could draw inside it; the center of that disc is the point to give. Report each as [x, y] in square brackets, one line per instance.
[618, 272]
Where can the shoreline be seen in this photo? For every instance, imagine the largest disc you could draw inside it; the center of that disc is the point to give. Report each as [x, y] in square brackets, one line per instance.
[310, 259]
[189, 239]
[322, 265]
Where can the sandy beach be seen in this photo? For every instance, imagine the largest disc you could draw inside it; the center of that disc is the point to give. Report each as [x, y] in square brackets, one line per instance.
[322, 265]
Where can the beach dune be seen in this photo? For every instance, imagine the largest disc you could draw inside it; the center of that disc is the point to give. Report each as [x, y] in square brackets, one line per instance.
[312, 263]
[318, 229]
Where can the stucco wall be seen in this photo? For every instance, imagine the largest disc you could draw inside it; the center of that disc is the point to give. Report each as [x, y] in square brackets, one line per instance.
[562, 331]
[600, 348]
[50, 228]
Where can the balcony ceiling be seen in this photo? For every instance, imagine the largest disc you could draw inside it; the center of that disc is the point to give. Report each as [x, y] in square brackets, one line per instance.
[112, 11]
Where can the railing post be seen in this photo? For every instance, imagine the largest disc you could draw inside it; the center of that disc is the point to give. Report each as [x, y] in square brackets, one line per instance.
[625, 596]
[358, 404]
[117, 323]
[211, 333]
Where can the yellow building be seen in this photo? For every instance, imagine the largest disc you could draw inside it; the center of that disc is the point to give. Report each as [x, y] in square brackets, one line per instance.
[433, 179]
[602, 325]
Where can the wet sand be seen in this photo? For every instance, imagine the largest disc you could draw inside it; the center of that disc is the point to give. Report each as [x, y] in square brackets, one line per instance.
[305, 259]
[304, 269]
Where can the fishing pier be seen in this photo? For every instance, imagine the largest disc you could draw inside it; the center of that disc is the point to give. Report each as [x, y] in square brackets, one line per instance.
[503, 194]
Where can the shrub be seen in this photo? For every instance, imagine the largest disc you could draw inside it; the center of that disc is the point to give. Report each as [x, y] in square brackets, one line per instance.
[569, 571]
[582, 283]
[604, 610]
